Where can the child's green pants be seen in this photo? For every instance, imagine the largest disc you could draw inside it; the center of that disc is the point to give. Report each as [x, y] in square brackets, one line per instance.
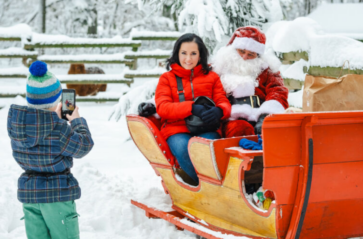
[51, 220]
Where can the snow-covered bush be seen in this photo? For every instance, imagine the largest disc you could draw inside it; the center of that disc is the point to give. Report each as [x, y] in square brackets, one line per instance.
[129, 102]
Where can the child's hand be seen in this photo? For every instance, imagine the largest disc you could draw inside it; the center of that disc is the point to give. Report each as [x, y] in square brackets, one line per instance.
[58, 110]
[74, 115]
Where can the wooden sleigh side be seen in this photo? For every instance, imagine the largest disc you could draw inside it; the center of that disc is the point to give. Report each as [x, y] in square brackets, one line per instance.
[217, 202]
[308, 159]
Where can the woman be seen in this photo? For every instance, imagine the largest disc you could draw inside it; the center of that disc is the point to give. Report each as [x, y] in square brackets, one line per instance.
[189, 61]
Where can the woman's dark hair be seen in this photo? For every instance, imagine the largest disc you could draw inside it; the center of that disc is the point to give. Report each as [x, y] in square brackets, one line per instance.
[203, 51]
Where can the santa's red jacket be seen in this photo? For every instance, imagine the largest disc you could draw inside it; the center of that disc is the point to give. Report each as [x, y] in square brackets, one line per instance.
[271, 87]
[173, 112]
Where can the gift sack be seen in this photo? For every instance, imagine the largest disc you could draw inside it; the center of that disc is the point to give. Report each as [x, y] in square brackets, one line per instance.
[333, 94]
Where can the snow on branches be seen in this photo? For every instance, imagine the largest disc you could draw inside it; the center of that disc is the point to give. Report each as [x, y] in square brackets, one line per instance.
[206, 18]
[129, 102]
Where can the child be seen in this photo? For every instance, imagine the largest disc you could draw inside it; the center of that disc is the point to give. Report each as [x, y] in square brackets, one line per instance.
[44, 146]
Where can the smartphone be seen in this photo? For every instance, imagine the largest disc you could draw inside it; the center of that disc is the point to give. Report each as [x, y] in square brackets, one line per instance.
[68, 102]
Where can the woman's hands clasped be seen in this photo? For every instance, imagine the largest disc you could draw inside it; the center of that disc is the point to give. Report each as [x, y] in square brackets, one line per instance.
[208, 114]
[212, 115]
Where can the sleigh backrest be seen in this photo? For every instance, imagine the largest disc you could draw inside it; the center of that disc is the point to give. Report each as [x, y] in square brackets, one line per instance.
[209, 157]
[149, 140]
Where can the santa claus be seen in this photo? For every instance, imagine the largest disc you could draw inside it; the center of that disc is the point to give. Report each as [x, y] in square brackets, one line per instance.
[251, 80]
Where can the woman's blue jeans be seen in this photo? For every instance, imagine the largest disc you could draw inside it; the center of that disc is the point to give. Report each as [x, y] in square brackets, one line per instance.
[178, 144]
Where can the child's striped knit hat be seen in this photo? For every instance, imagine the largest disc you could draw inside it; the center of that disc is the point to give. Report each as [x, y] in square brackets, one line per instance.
[43, 89]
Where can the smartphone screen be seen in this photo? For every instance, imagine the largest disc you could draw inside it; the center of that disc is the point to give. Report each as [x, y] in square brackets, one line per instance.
[68, 102]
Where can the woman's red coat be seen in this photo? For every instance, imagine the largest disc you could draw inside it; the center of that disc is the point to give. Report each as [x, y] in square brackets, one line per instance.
[173, 112]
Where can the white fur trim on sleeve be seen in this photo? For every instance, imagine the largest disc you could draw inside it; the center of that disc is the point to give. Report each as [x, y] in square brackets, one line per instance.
[270, 107]
[240, 111]
[249, 44]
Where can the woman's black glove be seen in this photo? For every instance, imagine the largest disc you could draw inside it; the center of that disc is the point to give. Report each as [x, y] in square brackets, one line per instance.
[146, 109]
[198, 110]
[212, 115]
[258, 126]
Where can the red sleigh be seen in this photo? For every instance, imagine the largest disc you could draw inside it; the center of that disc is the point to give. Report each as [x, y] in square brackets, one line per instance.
[312, 162]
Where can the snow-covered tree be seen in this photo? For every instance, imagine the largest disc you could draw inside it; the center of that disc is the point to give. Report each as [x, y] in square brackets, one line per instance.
[215, 19]
[107, 18]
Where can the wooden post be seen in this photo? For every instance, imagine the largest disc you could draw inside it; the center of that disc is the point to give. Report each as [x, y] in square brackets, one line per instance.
[134, 64]
[42, 15]
[92, 29]
[175, 19]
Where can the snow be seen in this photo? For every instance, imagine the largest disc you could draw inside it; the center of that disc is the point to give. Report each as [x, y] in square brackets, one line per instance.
[63, 39]
[156, 70]
[103, 57]
[292, 35]
[87, 77]
[294, 71]
[332, 50]
[357, 36]
[203, 222]
[17, 52]
[275, 11]
[295, 98]
[83, 57]
[14, 71]
[272, 31]
[210, 21]
[137, 33]
[114, 90]
[129, 102]
[19, 30]
[156, 52]
[19, 89]
[340, 18]
[214, 233]
[325, 50]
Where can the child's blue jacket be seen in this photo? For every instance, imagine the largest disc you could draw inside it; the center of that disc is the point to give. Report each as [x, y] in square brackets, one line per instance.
[42, 142]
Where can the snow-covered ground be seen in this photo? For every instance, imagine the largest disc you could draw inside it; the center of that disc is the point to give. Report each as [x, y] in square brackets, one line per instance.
[110, 176]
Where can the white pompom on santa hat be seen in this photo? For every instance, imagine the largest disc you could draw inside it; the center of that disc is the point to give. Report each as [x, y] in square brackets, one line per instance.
[249, 38]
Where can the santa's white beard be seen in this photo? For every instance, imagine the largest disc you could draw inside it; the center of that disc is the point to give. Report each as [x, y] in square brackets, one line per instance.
[235, 72]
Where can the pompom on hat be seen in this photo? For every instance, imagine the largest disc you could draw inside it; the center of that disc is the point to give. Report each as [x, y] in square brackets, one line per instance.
[43, 89]
[248, 38]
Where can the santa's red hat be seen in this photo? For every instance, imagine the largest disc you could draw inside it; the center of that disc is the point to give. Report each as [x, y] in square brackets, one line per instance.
[248, 38]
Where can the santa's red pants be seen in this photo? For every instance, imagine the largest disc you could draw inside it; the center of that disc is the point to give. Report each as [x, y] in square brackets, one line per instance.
[237, 128]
